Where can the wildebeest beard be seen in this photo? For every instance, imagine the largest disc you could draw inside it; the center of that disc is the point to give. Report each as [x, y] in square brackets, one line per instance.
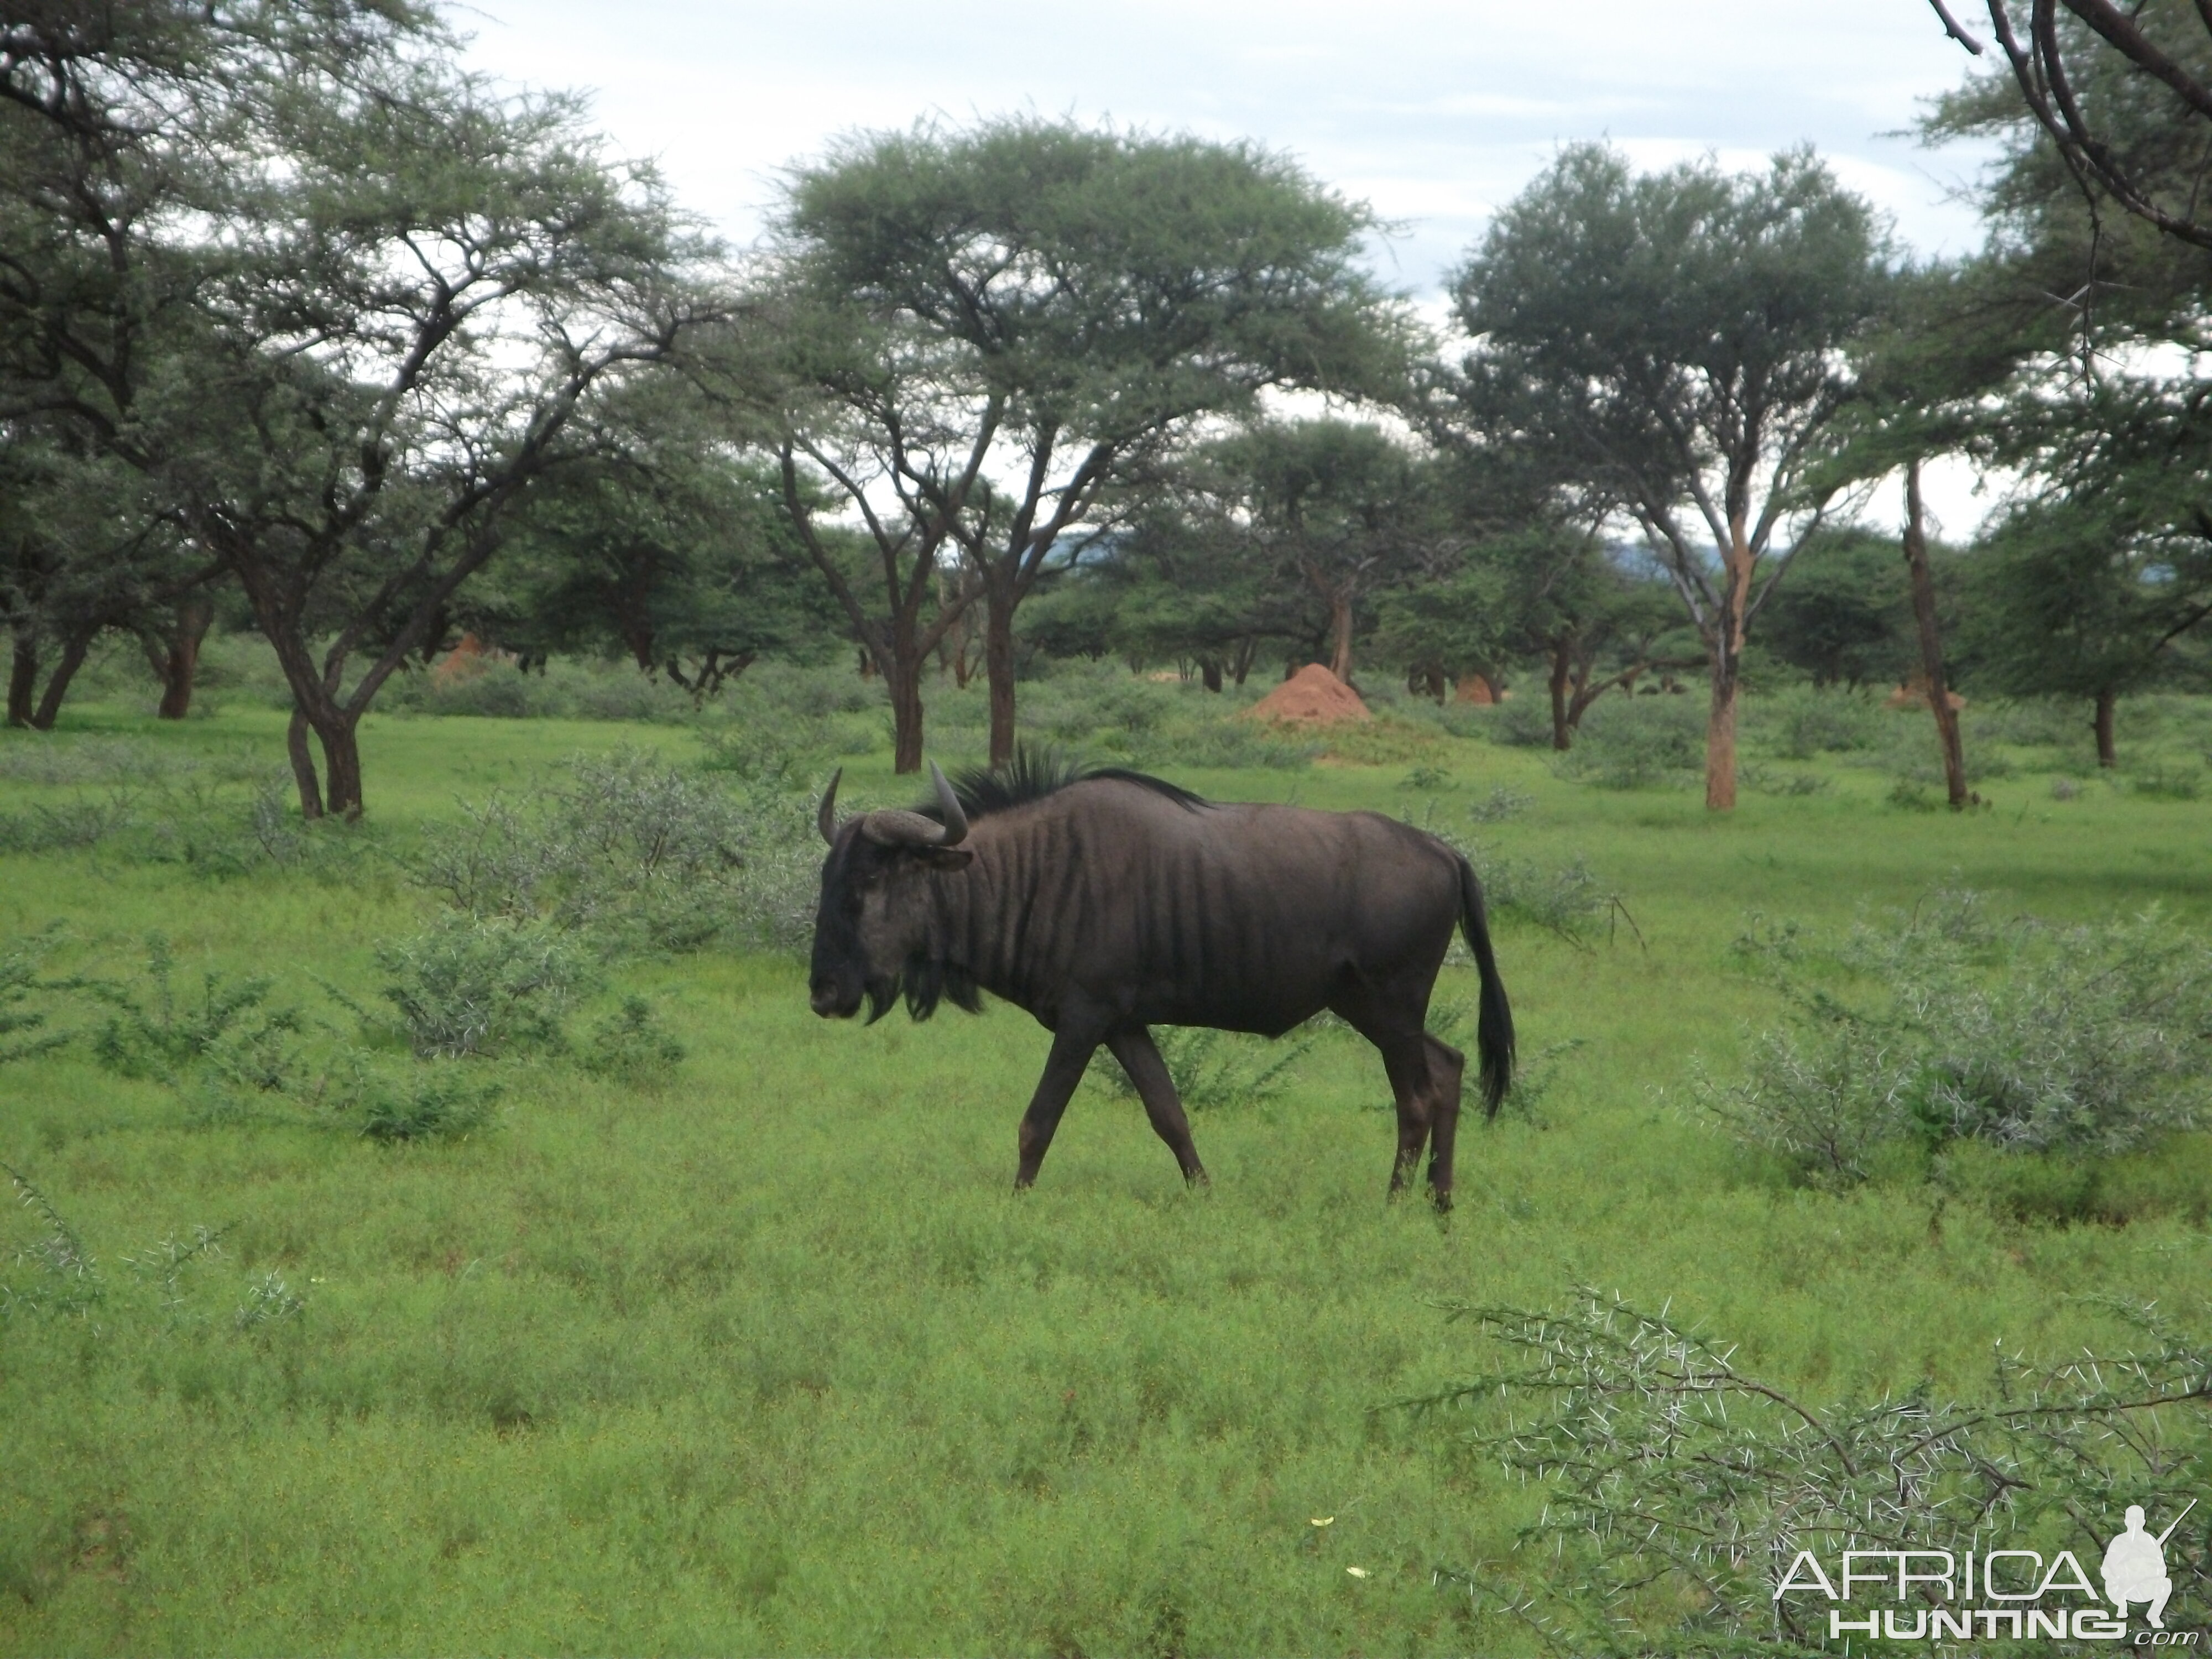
[926, 979]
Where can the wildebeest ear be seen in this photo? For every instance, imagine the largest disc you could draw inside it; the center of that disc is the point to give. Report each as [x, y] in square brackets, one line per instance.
[947, 858]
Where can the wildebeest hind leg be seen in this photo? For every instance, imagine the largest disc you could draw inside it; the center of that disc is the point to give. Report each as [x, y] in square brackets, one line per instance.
[1139, 1055]
[1446, 1067]
[1406, 1058]
[1063, 1070]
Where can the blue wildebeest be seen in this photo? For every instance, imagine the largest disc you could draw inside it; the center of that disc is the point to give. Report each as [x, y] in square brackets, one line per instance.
[1106, 903]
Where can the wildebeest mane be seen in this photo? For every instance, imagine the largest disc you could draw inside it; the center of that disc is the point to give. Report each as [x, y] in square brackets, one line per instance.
[1034, 774]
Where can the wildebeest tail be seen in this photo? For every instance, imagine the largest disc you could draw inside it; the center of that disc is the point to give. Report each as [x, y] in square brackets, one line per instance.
[1494, 1026]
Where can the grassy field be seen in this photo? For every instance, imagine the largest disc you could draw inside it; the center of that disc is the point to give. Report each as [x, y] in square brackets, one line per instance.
[764, 1356]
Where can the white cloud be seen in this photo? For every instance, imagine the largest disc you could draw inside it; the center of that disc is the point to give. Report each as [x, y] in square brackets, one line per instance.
[1434, 110]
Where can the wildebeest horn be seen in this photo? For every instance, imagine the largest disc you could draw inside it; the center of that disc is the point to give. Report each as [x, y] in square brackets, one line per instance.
[891, 826]
[956, 821]
[825, 817]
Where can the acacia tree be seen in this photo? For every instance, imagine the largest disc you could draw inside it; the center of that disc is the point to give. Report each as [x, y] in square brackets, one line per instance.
[991, 327]
[353, 307]
[1336, 506]
[661, 543]
[2098, 585]
[1929, 383]
[106, 118]
[81, 553]
[437, 284]
[1675, 340]
[2123, 93]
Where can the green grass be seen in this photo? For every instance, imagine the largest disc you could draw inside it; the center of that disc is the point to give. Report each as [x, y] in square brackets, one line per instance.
[769, 1359]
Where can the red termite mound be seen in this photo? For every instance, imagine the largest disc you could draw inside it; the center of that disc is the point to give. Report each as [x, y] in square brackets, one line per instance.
[1312, 696]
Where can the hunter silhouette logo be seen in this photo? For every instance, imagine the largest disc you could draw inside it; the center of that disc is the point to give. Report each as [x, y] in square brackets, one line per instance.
[2001, 1594]
[2134, 1566]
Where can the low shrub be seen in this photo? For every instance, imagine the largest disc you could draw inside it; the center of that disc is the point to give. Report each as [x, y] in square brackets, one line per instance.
[153, 1031]
[25, 993]
[1567, 900]
[1913, 795]
[1801, 721]
[1638, 743]
[2162, 783]
[473, 985]
[632, 1046]
[1223, 743]
[563, 689]
[1677, 1489]
[639, 854]
[1212, 1069]
[1388, 739]
[1500, 803]
[437, 1101]
[2028, 722]
[1534, 1075]
[71, 825]
[1765, 780]
[1945, 1029]
[1516, 723]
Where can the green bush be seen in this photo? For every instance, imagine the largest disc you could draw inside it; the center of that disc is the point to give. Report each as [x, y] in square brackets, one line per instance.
[1799, 721]
[2164, 783]
[422, 1102]
[153, 1031]
[1638, 743]
[1518, 722]
[564, 689]
[632, 1046]
[2028, 722]
[473, 985]
[1212, 1069]
[1567, 900]
[1674, 1489]
[639, 854]
[1500, 803]
[2027, 1038]
[23, 988]
[1224, 744]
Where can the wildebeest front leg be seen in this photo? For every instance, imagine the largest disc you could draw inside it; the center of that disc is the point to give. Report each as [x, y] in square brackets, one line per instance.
[1063, 1070]
[1134, 1047]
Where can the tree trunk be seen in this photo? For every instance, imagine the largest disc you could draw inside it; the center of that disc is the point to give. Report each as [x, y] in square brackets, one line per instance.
[1209, 673]
[1562, 666]
[1726, 647]
[867, 665]
[337, 732]
[1931, 642]
[999, 601]
[1340, 637]
[22, 678]
[341, 767]
[303, 766]
[1247, 651]
[73, 655]
[902, 678]
[2107, 754]
[194, 616]
[1720, 738]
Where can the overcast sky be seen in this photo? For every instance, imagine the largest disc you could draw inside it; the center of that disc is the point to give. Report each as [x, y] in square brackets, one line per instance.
[1435, 114]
